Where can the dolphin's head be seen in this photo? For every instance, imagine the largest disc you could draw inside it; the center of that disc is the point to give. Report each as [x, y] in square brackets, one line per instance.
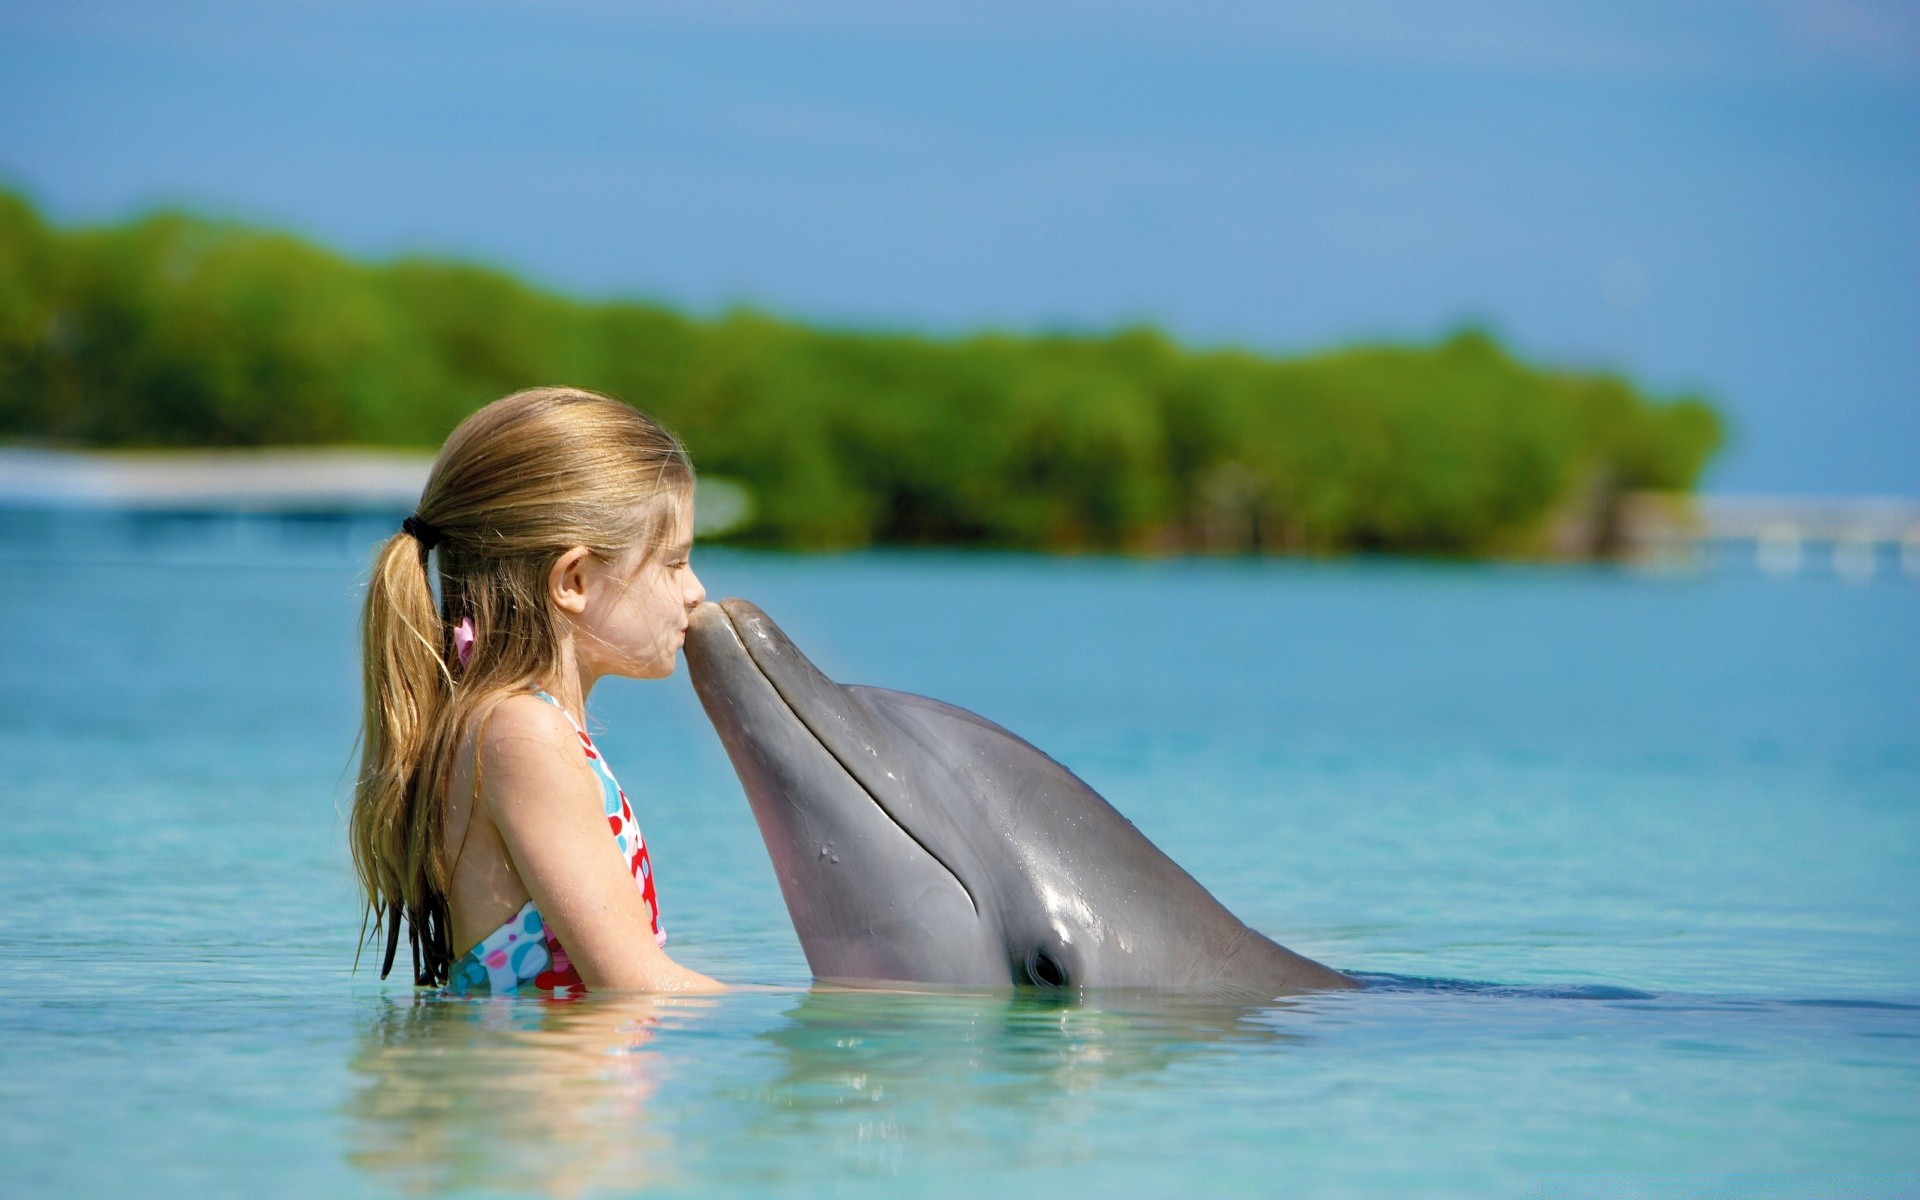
[915, 841]
[870, 897]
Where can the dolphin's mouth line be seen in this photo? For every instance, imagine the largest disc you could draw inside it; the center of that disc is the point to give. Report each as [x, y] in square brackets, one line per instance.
[872, 799]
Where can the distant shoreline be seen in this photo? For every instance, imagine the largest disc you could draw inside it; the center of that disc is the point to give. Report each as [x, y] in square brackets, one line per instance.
[346, 480]
[279, 479]
[1856, 537]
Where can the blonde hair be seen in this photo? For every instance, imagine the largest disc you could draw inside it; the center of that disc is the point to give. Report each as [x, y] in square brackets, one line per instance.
[518, 484]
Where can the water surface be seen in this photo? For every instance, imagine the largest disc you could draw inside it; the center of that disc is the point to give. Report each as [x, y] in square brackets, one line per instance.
[1633, 862]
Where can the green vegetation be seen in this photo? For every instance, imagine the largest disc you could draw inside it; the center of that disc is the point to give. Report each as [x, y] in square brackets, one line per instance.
[177, 331]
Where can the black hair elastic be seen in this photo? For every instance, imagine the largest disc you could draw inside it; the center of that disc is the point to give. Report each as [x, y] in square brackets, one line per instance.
[425, 534]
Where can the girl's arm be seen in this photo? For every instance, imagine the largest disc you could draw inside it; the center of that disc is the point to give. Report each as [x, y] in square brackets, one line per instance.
[545, 801]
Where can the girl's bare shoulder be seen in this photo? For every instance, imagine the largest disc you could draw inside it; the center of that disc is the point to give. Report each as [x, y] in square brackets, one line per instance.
[524, 739]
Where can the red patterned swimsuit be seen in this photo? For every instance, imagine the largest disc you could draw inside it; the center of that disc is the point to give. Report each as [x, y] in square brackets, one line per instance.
[523, 954]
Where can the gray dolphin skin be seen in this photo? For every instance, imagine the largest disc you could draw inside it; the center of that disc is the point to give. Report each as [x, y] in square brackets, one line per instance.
[916, 842]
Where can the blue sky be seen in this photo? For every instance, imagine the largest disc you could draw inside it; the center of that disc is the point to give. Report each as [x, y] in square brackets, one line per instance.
[1722, 196]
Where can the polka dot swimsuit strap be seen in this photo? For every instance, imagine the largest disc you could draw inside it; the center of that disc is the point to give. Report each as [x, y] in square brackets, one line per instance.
[619, 813]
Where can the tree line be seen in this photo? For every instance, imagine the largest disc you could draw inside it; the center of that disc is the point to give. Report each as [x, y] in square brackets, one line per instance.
[173, 330]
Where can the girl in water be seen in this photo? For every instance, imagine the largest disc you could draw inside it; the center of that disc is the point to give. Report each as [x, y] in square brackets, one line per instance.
[561, 522]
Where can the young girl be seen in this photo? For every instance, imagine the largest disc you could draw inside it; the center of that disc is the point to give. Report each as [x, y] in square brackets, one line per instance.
[561, 522]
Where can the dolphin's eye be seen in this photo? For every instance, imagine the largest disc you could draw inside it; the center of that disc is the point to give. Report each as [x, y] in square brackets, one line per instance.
[1043, 970]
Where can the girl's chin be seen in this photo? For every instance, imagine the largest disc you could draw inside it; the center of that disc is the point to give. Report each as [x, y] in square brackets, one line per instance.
[647, 670]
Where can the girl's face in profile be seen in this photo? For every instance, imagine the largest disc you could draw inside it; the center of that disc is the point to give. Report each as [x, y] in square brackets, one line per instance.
[635, 619]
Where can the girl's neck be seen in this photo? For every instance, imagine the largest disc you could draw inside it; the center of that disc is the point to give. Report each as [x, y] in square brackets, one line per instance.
[568, 683]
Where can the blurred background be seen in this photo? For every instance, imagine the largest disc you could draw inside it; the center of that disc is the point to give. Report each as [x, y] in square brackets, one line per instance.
[1393, 275]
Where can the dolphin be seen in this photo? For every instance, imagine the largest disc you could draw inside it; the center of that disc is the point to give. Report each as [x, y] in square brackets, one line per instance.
[916, 842]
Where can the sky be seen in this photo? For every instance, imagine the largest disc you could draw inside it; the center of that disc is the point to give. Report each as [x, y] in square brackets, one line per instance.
[1712, 196]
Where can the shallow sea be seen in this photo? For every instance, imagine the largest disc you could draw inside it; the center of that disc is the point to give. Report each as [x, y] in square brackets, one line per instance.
[1639, 853]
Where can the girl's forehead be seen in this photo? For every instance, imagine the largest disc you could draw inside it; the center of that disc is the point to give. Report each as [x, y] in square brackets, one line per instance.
[665, 511]
[674, 529]
[669, 526]
[681, 529]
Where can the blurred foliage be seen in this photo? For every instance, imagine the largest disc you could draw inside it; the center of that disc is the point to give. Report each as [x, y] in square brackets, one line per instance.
[173, 330]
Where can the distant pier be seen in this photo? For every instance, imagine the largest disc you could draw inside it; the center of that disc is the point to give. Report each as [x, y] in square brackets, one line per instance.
[1856, 538]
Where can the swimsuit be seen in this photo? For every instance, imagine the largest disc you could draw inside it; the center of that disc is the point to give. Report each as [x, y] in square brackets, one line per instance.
[523, 953]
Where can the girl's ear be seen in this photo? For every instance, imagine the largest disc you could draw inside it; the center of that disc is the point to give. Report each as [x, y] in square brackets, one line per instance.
[567, 581]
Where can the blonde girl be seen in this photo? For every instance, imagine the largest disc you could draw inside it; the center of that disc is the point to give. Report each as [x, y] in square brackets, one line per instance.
[560, 522]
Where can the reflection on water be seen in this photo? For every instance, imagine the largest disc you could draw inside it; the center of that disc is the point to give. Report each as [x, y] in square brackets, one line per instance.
[517, 1095]
[863, 1077]
[555, 1098]
[774, 1092]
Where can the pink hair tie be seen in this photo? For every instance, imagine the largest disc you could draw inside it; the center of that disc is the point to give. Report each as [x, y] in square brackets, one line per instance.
[463, 640]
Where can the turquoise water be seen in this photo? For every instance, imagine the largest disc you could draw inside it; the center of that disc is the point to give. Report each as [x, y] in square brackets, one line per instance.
[1675, 819]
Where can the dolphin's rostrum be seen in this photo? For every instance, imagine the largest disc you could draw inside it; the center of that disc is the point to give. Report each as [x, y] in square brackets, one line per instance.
[917, 842]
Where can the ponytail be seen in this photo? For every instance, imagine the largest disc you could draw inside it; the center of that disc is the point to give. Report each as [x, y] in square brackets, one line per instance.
[407, 685]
